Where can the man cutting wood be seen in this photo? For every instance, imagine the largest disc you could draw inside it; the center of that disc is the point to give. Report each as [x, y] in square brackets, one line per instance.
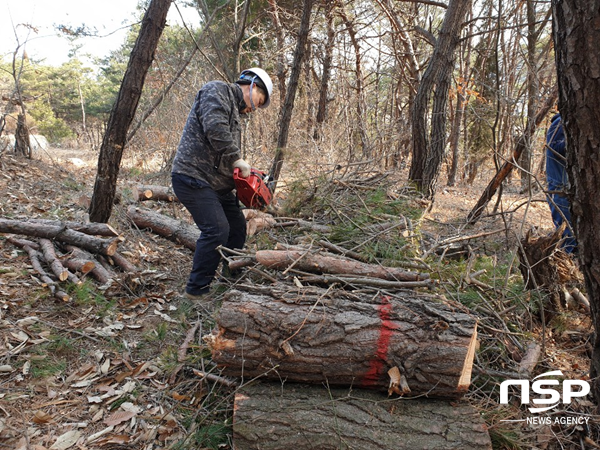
[202, 173]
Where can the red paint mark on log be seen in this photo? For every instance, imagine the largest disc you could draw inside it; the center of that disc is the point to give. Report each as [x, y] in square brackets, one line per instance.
[383, 343]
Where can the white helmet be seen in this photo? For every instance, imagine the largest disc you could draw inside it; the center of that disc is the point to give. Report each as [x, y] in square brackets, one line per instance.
[259, 77]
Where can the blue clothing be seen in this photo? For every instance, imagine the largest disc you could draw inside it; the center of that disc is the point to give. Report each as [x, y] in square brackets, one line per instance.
[558, 181]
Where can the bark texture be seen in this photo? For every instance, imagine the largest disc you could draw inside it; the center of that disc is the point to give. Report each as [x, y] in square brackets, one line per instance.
[290, 97]
[429, 147]
[172, 229]
[576, 32]
[124, 109]
[275, 416]
[343, 339]
[61, 233]
[152, 192]
[324, 263]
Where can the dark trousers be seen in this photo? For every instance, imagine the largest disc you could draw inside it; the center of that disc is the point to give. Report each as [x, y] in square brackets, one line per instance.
[220, 221]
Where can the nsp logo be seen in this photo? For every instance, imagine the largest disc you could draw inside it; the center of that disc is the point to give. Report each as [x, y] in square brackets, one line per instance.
[551, 396]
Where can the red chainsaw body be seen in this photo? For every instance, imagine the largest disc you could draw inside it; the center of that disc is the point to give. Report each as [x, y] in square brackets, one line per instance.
[253, 191]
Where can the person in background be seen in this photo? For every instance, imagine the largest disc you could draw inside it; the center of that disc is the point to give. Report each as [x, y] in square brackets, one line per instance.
[202, 172]
[558, 181]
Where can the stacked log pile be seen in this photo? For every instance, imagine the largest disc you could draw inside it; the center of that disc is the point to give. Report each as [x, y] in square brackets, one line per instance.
[407, 344]
[321, 316]
[68, 251]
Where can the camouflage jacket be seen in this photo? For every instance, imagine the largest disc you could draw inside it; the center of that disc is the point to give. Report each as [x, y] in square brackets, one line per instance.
[210, 142]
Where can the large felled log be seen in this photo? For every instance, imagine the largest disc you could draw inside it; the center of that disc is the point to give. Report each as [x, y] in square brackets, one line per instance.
[60, 232]
[274, 417]
[172, 229]
[326, 263]
[340, 338]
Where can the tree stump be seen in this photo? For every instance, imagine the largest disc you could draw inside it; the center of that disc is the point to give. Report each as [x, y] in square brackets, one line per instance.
[345, 339]
[272, 416]
[545, 266]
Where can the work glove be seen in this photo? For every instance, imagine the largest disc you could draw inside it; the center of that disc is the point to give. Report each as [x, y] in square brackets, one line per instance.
[243, 166]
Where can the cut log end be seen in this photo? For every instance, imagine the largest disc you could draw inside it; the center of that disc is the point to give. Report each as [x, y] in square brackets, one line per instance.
[465, 377]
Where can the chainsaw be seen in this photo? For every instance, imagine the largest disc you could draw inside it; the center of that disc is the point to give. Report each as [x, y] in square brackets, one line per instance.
[253, 191]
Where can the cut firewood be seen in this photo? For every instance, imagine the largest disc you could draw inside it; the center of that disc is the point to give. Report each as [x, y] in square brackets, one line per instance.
[102, 275]
[79, 265]
[56, 266]
[327, 263]
[60, 233]
[317, 335]
[123, 263]
[153, 192]
[274, 416]
[167, 227]
[257, 220]
[35, 258]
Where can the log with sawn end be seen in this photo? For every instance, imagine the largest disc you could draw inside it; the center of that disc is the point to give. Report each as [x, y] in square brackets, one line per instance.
[274, 416]
[56, 266]
[310, 261]
[60, 232]
[172, 229]
[328, 336]
[154, 192]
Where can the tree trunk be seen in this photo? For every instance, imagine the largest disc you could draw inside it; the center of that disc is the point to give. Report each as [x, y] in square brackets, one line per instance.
[576, 33]
[345, 339]
[462, 98]
[22, 144]
[532, 96]
[280, 44]
[291, 416]
[428, 151]
[326, 75]
[358, 84]
[288, 106]
[124, 109]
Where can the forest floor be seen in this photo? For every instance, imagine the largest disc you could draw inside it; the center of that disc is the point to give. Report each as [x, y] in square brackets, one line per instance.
[105, 369]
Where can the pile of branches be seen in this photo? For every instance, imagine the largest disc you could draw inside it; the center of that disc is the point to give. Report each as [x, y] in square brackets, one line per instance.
[68, 251]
